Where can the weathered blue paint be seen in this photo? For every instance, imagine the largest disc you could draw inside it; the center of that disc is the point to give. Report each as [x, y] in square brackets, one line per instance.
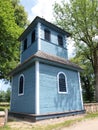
[24, 103]
[50, 99]
[49, 47]
[53, 36]
[31, 47]
[52, 47]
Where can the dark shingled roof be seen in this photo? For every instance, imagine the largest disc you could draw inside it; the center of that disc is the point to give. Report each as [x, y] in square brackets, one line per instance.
[47, 57]
[43, 21]
[57, 59]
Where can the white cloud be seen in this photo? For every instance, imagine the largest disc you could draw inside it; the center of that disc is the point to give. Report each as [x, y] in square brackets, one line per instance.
[43, 8]
[4, 85]
[71, 48]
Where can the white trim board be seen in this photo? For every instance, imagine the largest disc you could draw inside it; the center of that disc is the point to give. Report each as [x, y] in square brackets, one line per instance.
[37, 87]
[80, 90]
[39, 34]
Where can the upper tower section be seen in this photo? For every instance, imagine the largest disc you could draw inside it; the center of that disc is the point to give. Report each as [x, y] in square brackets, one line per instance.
[44, 36]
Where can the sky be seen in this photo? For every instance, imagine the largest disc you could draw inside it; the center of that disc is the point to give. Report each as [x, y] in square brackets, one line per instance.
[4, 85]
[42, 8]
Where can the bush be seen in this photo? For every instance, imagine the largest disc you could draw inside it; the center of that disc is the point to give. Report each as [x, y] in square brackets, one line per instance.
[2, 109]
[5, 96]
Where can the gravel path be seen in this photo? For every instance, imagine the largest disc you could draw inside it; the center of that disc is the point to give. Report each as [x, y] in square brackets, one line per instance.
[91, 124]
[87, 124]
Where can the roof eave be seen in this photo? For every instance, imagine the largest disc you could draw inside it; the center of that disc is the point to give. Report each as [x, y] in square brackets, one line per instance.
[41, 20]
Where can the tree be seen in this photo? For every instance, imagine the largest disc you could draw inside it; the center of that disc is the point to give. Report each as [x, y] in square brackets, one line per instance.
[87, 76]
[80, 17]
[5, 95]
[2, 96]
[20, 14]
[9, 33]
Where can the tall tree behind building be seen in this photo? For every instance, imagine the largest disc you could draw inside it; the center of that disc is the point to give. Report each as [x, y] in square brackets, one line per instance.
[80, 17]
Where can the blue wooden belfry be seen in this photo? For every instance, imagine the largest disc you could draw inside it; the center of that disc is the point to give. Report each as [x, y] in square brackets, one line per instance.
[45, 84]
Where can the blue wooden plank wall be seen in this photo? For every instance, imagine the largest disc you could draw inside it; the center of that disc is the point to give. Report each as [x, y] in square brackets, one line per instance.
[50, 99]
[24, 103]
[28, 52]
[53, 47]
[31, 47]
[48, 47]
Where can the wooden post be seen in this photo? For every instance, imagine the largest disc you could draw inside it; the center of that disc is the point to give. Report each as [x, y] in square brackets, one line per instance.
[6, 116]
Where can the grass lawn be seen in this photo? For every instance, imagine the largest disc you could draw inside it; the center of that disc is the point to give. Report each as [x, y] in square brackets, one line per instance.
[56, 126]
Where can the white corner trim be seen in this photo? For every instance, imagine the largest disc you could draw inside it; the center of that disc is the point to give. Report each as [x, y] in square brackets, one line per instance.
[80, 89]
[39, 34]
[11, 94]
[37, 87]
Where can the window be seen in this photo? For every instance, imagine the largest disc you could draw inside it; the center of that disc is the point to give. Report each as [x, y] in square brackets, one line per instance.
[60, 40]
[21, 85]
[33, 36]
[25, 45]
[62, 85]
[47, 35]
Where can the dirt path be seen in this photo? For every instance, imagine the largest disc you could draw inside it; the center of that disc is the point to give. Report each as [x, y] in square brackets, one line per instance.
[87, 124]
[91, 124]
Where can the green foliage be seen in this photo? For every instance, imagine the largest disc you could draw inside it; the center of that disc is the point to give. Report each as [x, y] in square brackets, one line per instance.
[87, 77]
[9, 33]
[80, 17]
[20, 14]
[91, 115]
[4, 105]
[5, 95]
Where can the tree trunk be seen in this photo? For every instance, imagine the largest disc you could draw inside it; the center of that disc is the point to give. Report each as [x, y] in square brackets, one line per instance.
[96, 84]
[96, 74]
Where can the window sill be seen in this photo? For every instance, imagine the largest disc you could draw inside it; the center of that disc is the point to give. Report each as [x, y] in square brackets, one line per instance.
[21, 94]
[62, 92]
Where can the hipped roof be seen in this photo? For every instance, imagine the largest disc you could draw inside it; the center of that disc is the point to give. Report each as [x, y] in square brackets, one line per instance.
[46, 58]
[46, 23]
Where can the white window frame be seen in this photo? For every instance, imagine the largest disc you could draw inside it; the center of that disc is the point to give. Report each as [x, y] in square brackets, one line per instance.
[65, 83]
[20, 94]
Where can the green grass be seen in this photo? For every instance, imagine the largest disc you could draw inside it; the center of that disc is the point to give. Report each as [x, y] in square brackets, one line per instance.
[59, 125]
[91, 115]
[56, 126]
[5, 128]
